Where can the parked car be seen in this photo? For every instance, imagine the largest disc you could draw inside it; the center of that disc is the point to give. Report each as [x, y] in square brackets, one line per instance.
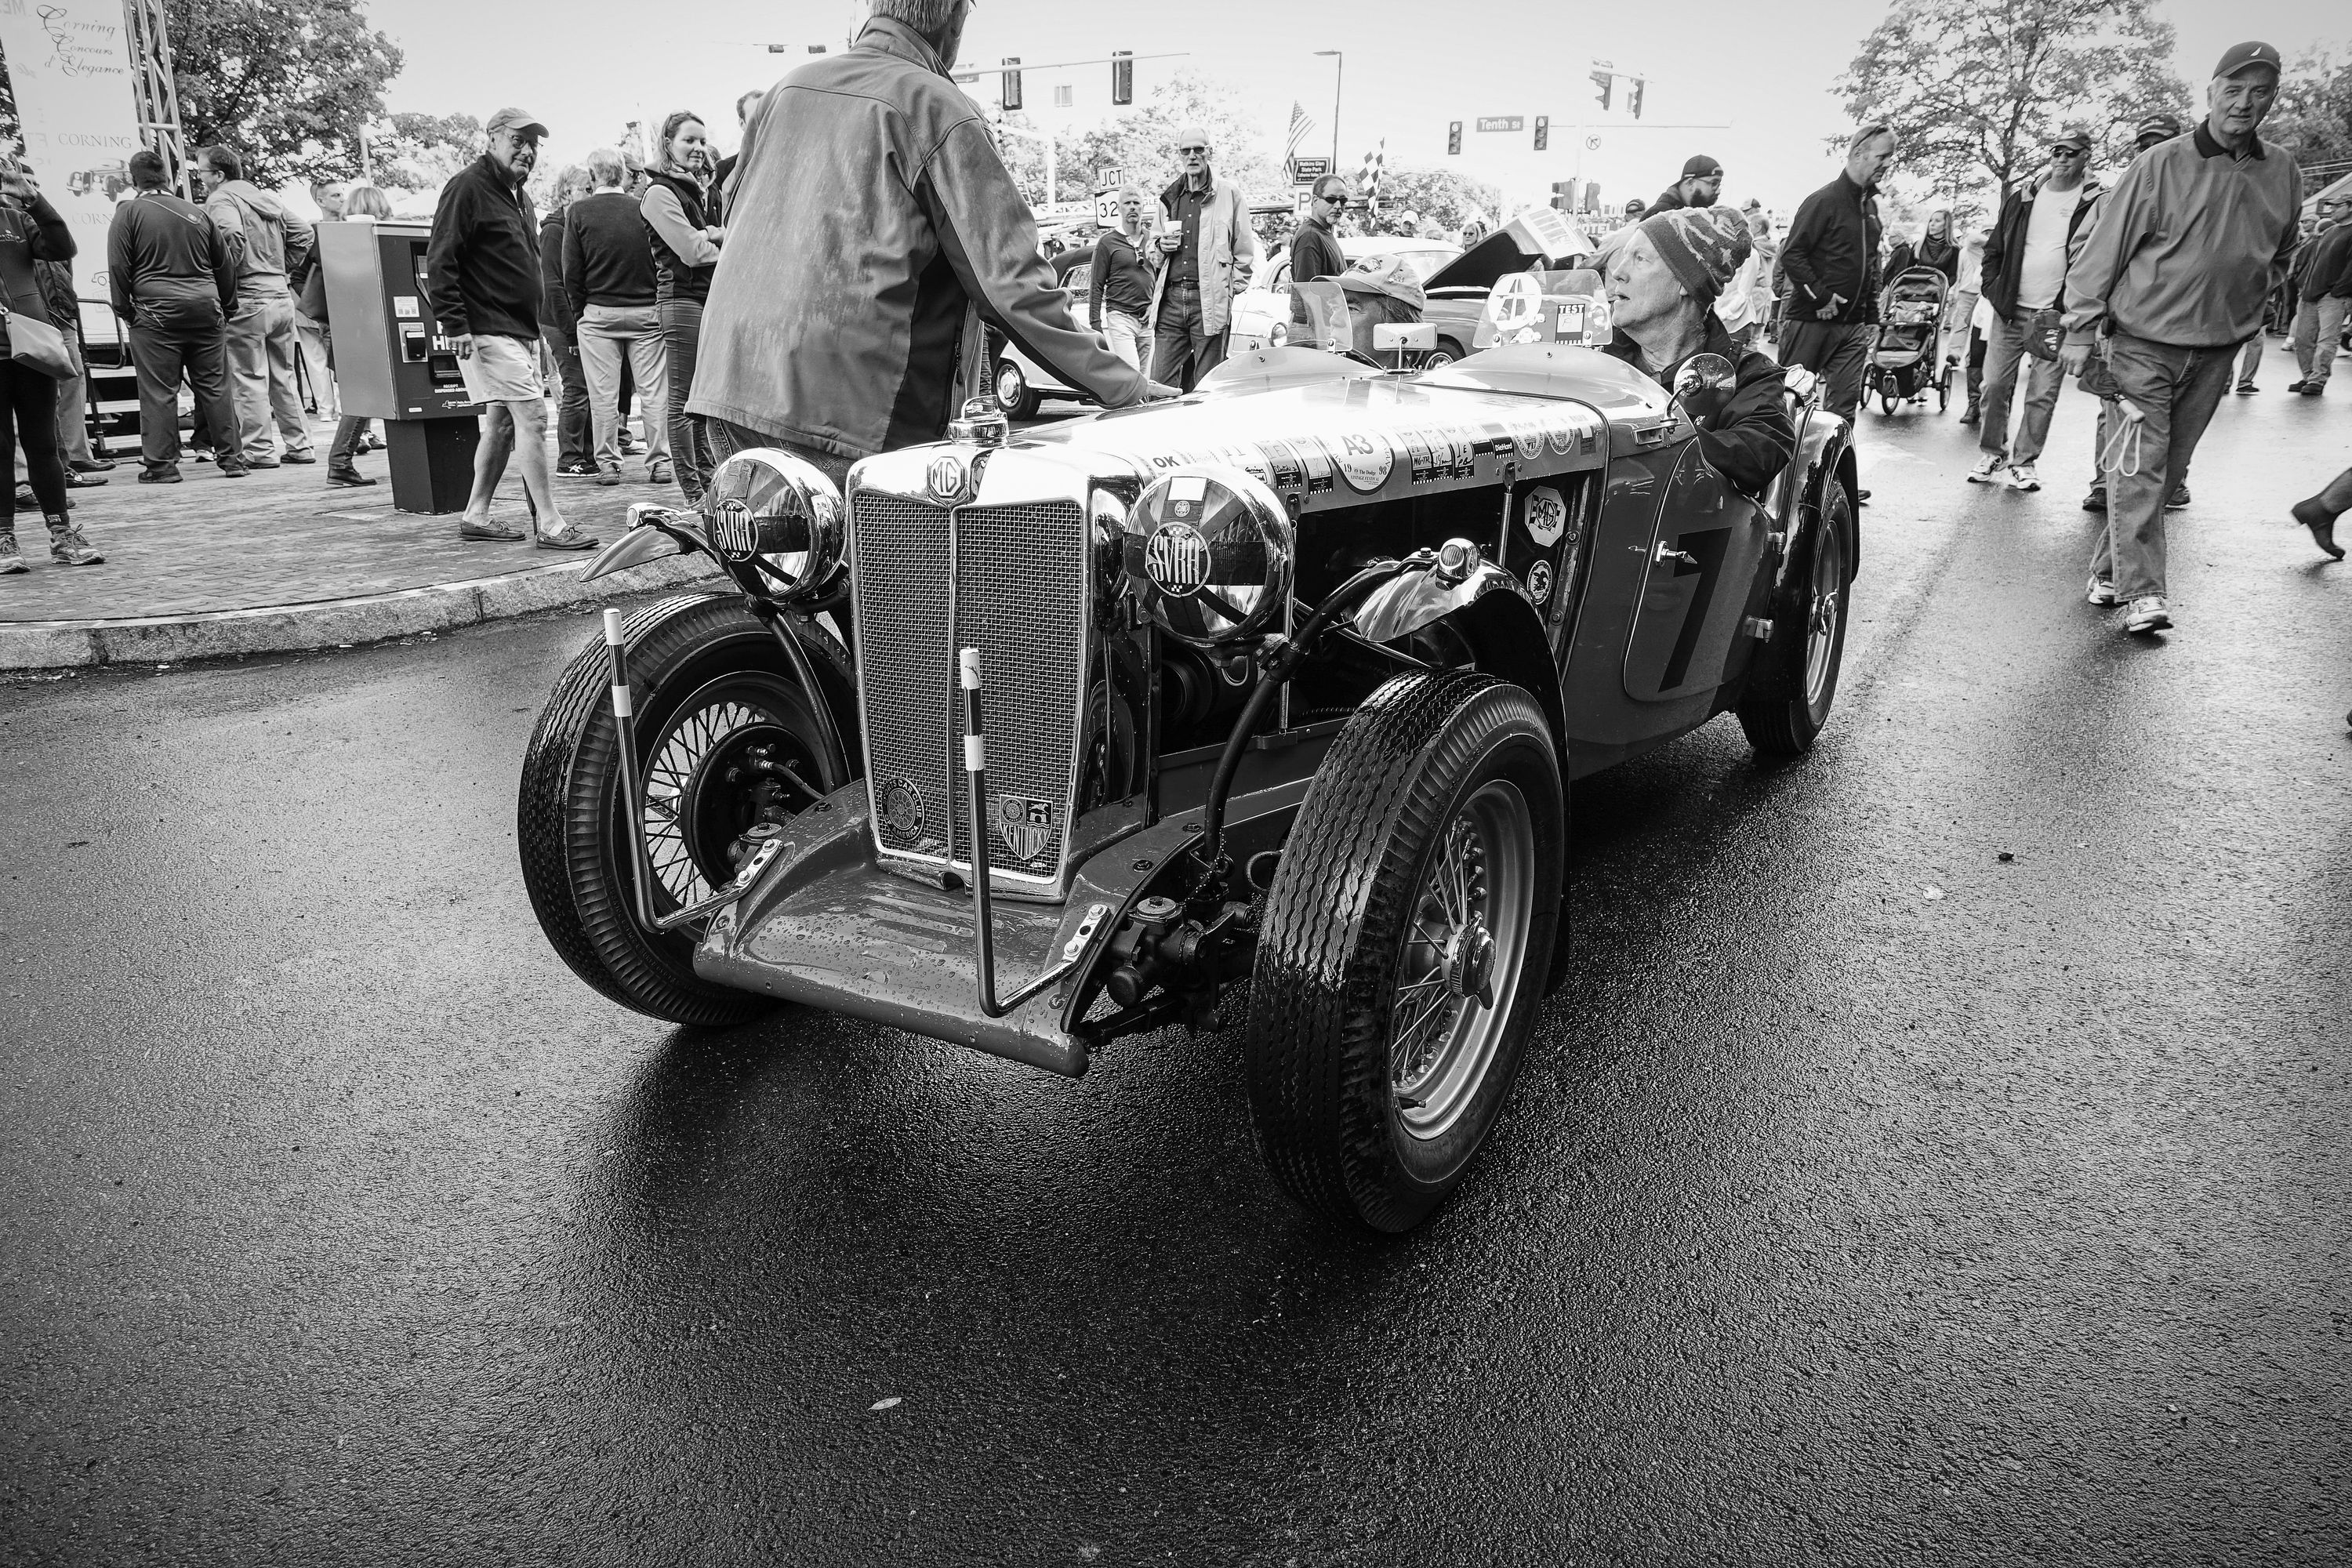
[1262, 311]
[1021, 382]
[1540, 243]
[1261, 705]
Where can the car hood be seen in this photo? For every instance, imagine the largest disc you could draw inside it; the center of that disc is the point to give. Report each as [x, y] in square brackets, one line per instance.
[1538, 235]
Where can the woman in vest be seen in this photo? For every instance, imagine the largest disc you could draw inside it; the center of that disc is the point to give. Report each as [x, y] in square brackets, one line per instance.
[686, 253]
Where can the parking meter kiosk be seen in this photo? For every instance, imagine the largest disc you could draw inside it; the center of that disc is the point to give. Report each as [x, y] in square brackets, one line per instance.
[392, 364]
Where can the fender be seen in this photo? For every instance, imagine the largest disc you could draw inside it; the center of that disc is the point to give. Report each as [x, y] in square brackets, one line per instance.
[1824, 448]
[1506, 632]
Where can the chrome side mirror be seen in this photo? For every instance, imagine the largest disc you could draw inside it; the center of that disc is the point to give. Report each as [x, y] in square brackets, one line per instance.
[1705, 385]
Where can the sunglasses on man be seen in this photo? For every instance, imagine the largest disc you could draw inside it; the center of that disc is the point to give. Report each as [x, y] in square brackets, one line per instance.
[1188, 150]
[1335, 201]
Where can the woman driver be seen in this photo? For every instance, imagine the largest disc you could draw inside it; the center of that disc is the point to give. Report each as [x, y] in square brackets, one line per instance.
[1663, 281]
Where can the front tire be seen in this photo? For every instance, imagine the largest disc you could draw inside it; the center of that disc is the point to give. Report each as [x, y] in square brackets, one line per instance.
[1404, 948]
[1446, 351]
[1789, 698]
[722, 727]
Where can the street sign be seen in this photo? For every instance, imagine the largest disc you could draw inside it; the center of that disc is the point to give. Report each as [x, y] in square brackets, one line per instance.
[1304, 171]
[1502, 122]
[1110, 175]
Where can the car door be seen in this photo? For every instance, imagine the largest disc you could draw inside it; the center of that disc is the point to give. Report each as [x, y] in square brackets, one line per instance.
[1704, 551]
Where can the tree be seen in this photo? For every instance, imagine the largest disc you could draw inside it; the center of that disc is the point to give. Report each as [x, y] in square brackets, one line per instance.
[423, 150]
[1976, 89]
[2314, 117]
[12, 129]
[1142, 141]
[1443, 197]
[290, 88]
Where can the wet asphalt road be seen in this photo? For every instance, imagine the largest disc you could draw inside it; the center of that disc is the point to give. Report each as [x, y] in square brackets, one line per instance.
[1869, 1198]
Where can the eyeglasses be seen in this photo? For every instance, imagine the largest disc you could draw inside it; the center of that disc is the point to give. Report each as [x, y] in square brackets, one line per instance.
[2070, 151]
[1190, 150]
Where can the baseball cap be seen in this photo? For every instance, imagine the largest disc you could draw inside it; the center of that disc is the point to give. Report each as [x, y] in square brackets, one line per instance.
[2075, 138]
[1701, 168]
[2240, 57]
[517, 119]
[2163, 125]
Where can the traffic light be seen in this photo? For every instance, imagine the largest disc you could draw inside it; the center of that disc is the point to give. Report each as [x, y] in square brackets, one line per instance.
[1593, 196]
[1633, 97]
[1454, 137]
[1563, 195]
[1604, 81]
[1011, 84]
[1543, 131]
[1122, 77]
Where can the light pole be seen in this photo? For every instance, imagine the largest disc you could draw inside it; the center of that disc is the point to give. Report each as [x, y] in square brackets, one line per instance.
[1338, 73]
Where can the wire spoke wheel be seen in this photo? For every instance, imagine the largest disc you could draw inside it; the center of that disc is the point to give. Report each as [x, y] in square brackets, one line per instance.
[726, 760]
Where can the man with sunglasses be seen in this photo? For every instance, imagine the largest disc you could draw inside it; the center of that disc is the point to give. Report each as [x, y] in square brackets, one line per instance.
[1206, 237]
[1314, 251]
[2024, 271]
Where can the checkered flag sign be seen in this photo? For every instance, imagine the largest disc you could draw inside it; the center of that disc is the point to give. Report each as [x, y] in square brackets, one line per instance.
[1367, 178]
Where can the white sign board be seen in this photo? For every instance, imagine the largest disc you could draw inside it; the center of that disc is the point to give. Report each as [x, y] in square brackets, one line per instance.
[1550, 229]
[71, 66]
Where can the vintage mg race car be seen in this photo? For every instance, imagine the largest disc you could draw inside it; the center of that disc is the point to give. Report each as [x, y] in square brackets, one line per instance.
[1036, 742]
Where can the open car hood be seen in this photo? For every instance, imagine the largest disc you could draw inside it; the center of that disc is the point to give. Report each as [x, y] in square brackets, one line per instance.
[1540, 234]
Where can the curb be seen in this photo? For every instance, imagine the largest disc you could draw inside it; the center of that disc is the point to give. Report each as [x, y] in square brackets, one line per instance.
[27, 645]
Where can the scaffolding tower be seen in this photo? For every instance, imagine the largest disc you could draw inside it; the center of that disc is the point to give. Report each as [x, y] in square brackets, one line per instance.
[159, 100]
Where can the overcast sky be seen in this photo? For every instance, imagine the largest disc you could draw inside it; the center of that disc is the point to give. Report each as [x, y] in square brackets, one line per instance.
[1761, 71]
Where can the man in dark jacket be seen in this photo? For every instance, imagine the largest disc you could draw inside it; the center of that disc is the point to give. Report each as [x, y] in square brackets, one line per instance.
[608, 275]
[1830, 256]
[2024, 270]
[872, 341]
[482, 280]
[1702, 181]
[1663, 279]
[171, 277]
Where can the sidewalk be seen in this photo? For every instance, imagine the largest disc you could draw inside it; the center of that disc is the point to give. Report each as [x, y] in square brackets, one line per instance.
[281, 560]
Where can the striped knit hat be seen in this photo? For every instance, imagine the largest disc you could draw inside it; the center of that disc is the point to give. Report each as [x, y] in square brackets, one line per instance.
[1702, 246]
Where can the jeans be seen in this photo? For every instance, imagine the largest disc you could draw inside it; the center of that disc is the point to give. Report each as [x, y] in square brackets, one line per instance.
[1952, 341]
[1837, 352]
[350, 431]
[2177, 389]
[28, 414]
[1129, 340]
[574, 440]
[606, 333]
[1185, 346]
[2003, 351]
[261, 349]
[312, 335]
[689, 444]
[169, 338]
[2251, 359]
[2318, 323]
[73, 408]
[727, 439]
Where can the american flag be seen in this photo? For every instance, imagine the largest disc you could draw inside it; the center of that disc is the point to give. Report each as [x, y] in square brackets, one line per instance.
[1301, 122]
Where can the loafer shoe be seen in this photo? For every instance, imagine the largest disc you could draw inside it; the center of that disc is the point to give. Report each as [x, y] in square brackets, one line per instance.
[260, 463]
[351, 477]
[300, 457]
[487, 533]
[567, 538]
[166, 476]
[77, 480]
[2177, 499]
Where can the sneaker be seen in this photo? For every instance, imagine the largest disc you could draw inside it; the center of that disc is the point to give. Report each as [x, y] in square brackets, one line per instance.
[2244, 387]
[68, 547]
[12, 560]
[579, 468]
[610, 474]
[1988, 470]
[236, 470]
[2097, 500]
[2322, 523]
[342, 475]
[2177, 499]
[200, 454]
[2296, 386]
[2099, 592]
[302, 457]
[486, 531]
[567, 538]
[658, 472]
[77, 480]
[169, 474]
[2022, 477]
[2147, 614]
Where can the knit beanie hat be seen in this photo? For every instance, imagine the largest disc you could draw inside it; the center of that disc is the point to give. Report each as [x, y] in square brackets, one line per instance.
[1703, 246]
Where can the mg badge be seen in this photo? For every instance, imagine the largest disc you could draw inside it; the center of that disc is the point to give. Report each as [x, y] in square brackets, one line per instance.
[945, 479]
[1177, 560]
[731, 530]
[900, 806]
[1026, 826]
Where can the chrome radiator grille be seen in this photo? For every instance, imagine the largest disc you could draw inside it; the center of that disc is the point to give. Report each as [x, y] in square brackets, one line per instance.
[1010, 580]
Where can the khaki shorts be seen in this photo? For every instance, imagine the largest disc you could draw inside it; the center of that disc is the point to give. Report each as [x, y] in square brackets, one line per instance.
[502, 370]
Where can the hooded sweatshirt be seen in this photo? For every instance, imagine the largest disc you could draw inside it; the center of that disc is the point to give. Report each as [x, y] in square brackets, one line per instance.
[263, 238]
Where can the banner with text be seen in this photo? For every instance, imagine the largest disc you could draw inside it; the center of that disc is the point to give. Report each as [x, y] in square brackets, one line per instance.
[71, 66]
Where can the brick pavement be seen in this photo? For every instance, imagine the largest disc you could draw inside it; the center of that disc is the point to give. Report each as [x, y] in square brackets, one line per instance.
[279, 537]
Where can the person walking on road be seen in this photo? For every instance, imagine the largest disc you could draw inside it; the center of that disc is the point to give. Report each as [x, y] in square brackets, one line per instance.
[482, 283]
[2169, 284]
[269, 244]
[31, 231]
[685, 235]
[608, 273]
[2024, 269]
[2323, 277]
[1701, 184]
[1830, 256]
[846, 314]
[1118, 286]
[1206, 235]
[172, 278]
[2153, 132]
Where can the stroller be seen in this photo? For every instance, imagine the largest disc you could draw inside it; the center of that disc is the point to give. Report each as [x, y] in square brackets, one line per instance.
[1903, 352]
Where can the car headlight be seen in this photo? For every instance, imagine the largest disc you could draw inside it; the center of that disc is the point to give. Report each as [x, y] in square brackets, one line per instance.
[1208, 554]
[767, 502]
